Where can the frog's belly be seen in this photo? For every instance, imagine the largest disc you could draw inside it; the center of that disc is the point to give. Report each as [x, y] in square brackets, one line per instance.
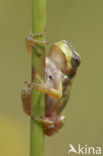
[51, 104]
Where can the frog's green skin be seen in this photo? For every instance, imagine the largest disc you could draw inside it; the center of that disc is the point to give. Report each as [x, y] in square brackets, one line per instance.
[60, 69]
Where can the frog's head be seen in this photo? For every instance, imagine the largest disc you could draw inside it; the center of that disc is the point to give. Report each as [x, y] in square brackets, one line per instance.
[65, 57]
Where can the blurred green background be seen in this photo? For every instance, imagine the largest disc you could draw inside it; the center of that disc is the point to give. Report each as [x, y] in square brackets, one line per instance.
[81, 23]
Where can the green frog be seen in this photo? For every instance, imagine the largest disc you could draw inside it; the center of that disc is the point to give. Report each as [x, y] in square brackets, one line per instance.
[61, 66]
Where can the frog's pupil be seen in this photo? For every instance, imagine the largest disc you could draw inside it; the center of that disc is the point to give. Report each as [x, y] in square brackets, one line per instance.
[75, 61]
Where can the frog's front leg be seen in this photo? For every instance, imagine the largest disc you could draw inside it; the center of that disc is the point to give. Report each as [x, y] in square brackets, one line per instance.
[31, 42]
[45, 88]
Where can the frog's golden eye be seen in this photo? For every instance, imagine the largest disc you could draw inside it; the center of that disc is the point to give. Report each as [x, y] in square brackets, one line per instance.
[75, 61]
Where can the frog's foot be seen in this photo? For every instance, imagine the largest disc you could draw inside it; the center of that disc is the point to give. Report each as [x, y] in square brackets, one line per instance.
[45, 88]
[44, 120]
[31, 42]
[50, 126]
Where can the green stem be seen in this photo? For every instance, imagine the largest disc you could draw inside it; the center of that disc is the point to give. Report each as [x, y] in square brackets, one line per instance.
[38, 66]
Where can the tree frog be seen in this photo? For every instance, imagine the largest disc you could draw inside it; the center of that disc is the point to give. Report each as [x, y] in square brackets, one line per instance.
[60, 69]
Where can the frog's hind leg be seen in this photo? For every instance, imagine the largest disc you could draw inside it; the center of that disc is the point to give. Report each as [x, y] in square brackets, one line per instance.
[51, 124]
[31, 42]
[26, 100]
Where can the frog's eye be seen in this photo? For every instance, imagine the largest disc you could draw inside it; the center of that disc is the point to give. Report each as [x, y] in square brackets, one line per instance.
[75, 61]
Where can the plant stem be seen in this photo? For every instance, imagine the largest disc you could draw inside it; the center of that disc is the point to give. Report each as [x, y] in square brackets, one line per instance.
[38, 66]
